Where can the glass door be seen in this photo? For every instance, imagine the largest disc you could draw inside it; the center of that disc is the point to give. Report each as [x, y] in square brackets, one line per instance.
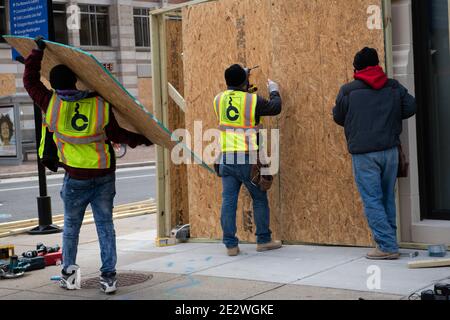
[432, 74]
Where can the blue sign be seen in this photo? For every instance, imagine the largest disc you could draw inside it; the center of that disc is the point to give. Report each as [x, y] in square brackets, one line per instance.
[28, 18]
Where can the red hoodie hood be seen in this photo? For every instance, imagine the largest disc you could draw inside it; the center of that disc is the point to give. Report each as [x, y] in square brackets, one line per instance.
[373, 76]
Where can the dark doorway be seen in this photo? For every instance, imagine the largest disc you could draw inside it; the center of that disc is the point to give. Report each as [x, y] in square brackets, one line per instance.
[432, 74]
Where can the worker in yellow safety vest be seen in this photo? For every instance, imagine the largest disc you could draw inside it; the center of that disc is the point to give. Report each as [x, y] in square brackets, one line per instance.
[239, 115]
[83, 127]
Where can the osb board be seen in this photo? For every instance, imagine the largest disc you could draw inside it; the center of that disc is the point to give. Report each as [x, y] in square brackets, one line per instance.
[178, 173]
[7, 84]
[145, 92]
[308, 47]
[93, 76]
[206, 56]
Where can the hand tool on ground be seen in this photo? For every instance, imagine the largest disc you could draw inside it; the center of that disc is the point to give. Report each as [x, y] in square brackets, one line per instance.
[14, 269]
[181, 232]
[35, 263]
[438, 251]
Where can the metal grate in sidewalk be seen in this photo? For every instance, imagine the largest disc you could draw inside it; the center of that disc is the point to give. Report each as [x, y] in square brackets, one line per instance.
[123, 280]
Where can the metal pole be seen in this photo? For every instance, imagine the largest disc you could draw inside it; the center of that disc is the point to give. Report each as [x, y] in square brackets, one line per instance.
[44, 202]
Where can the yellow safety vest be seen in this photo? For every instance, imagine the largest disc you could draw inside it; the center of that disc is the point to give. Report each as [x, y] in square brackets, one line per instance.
[79, 131]
[236, 112]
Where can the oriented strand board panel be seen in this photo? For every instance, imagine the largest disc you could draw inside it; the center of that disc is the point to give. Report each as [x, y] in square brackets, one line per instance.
[178, 173]
[145, 92]
[308, 47]
[7, 84]
[129, 112]
[206, 56]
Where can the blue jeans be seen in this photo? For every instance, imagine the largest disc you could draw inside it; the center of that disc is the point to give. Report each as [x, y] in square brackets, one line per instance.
[233, 176]
[77, 195]
[376, 176]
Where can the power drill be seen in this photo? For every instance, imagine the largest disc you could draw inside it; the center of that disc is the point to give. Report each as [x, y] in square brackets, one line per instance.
[251, 88]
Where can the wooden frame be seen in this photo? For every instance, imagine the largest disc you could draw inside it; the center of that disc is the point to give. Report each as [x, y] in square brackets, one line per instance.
[161, 91]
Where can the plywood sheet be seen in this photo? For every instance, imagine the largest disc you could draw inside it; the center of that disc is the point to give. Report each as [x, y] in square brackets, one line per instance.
[178, 173]
[206, 56]
[308, 47]
[92, 75]
[145, 92]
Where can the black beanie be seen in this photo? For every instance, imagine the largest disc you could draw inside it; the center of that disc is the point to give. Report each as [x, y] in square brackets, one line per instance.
[235, 76]
[62, 78]
[365, 58]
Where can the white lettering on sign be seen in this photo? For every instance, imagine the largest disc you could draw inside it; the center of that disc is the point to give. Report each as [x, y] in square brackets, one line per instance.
[109, 66]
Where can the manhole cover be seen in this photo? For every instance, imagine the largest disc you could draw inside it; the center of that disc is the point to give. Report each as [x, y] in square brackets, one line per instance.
[123, 280]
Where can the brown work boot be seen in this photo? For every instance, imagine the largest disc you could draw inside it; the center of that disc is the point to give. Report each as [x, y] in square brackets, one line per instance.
[377, 254]
[233, 252]
[274, 245]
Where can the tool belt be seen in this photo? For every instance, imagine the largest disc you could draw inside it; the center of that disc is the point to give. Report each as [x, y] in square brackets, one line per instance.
[264, 182]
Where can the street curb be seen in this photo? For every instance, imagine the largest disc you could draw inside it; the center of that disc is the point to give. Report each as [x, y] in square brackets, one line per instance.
[50, 173]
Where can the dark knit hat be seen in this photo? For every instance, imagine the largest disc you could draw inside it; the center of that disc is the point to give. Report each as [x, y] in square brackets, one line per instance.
[235, 76]
[367, 57]
[62, 78]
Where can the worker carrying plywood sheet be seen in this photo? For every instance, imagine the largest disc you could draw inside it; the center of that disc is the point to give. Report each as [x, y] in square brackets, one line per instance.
[83, 127]
[239, 115]
[372, 108]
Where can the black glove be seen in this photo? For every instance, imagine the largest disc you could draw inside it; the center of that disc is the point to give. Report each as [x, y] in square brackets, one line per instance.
[40, 42]
[20, 59]
[148, 143]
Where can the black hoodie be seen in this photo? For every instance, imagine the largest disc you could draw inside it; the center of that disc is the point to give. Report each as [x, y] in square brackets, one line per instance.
[371, 109]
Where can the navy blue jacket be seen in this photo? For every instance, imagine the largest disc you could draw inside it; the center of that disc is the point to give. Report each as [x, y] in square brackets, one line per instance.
[373, 118]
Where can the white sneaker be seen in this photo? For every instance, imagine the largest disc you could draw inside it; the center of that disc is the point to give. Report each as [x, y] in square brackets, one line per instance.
[72, 280]
[108, 283]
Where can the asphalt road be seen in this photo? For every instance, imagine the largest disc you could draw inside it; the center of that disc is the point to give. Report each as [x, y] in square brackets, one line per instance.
[18, 196]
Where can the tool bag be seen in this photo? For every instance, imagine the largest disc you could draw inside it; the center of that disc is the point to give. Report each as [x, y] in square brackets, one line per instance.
[264, 182]
[403, 164]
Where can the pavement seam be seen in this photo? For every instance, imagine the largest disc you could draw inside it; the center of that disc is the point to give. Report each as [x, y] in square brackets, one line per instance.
[311, 275]
[219, 265]
[308, 276]
[328, 269]
[266, 291]
[35, 290]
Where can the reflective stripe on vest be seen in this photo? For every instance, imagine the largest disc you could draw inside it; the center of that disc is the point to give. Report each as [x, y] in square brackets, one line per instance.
[236, 112]
[79, 131]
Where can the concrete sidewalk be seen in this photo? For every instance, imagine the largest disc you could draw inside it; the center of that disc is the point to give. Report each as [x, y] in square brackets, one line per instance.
[198, 271]
[140, 156]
